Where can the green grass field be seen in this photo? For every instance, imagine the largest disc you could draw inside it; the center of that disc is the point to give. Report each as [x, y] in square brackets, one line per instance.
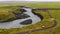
[46, 22]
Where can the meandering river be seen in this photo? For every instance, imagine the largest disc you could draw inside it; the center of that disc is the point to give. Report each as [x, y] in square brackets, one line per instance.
[16, 23]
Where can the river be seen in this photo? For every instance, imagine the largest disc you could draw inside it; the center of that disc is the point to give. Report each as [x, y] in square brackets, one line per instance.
[16, 23]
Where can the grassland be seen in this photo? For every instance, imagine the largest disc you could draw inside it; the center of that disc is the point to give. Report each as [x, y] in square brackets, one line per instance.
[46, 22]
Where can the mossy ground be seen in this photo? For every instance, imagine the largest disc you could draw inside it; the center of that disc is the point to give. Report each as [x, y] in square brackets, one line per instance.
[46, 22]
